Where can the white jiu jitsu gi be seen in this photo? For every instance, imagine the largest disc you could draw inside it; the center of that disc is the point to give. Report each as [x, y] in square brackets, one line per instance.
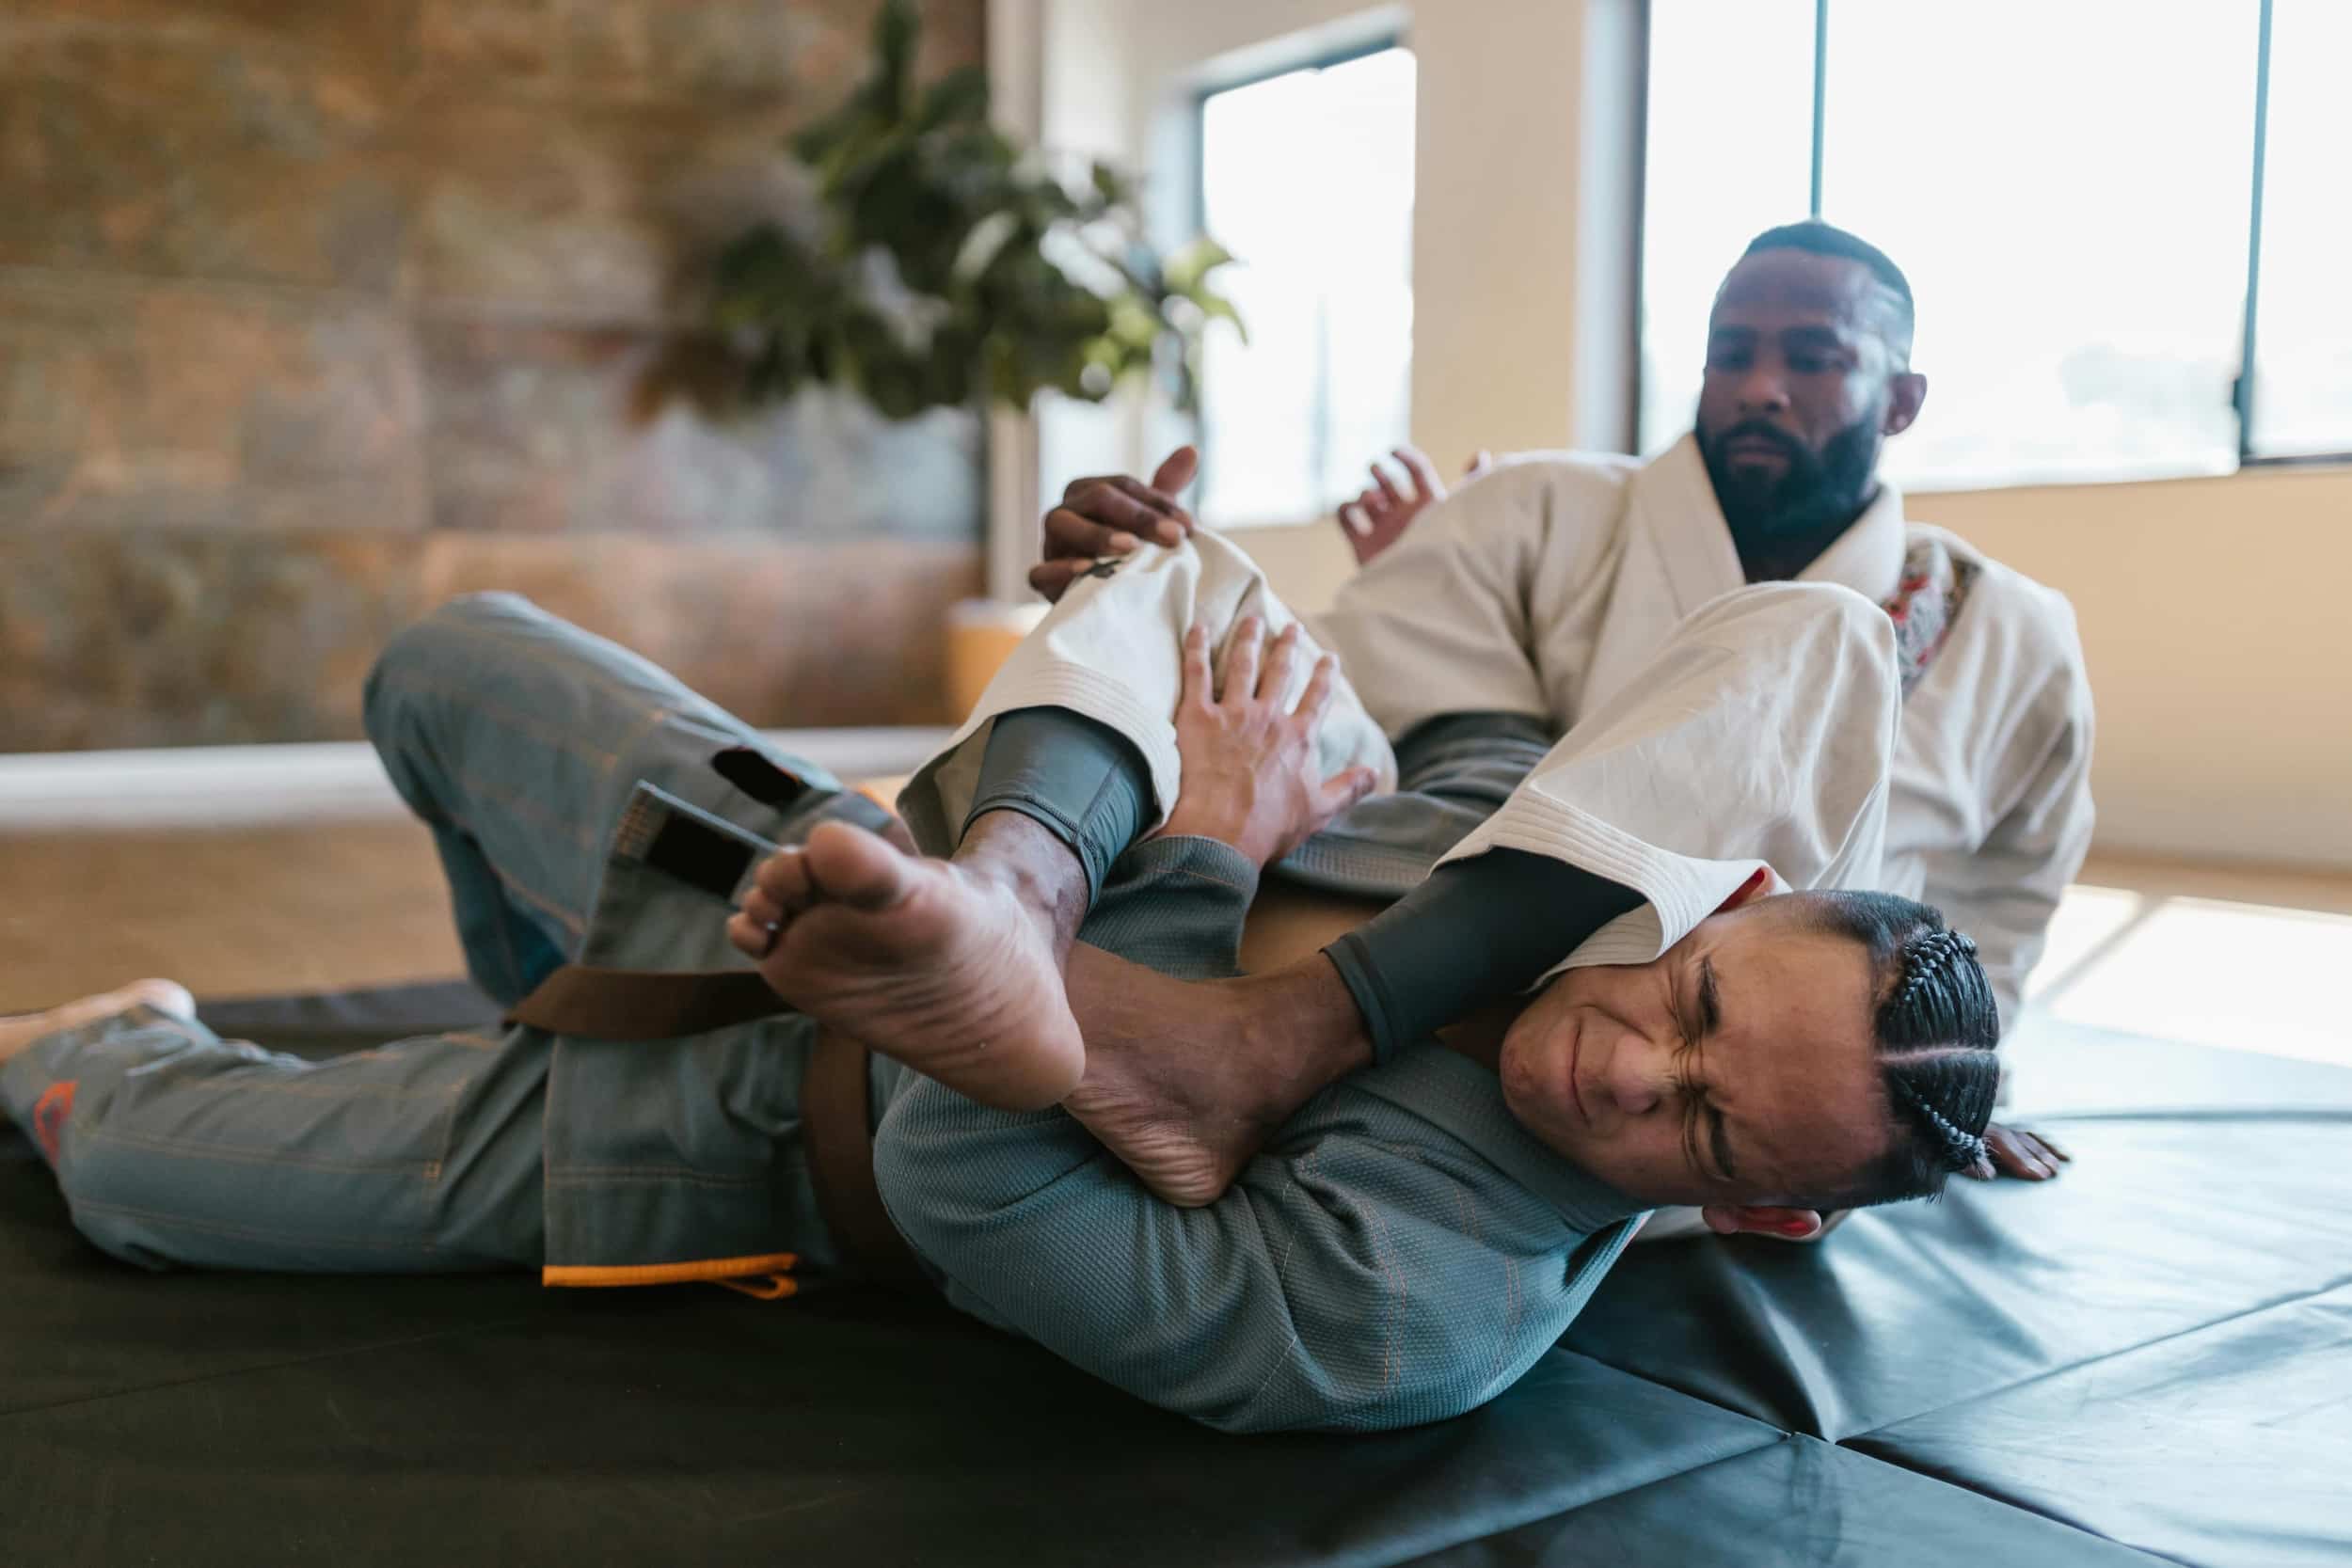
[1762, 734]
[1544, 587]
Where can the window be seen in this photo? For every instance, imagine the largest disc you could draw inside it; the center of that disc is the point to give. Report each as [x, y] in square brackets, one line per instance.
[1308, 179]
[2069, 188]
[2301, 398]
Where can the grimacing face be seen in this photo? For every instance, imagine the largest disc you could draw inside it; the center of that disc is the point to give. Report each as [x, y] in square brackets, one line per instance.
[1739, 1067]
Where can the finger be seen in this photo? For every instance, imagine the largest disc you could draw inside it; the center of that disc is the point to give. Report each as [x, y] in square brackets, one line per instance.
[1072, 535]
[2030, 1146]
[1053, 578]
[1388, 485]
[1344, 789]
[1424, 473]
[1352, 518]
[1333, 797]
[1124, 505]
[1316, 699]
[1479, 463]
[1170, 525]
[1199, 685]
[1240, 675]
[2044, 1143]
[2011, 1158]
[1176, 472]
[1275, 682]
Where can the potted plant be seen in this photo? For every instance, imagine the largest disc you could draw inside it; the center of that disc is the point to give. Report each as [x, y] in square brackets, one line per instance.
[934, 264]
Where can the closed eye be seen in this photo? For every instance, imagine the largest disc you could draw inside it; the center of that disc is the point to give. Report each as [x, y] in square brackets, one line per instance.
[1718, 1141]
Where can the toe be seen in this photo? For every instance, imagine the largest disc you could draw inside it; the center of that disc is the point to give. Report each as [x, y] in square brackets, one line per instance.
[168, 996]
[783, 878]
[752, 938]
[758, 908]
[853, 866]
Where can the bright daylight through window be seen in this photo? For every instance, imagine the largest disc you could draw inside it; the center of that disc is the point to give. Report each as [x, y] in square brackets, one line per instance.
[2073, 214]
[1308, 177]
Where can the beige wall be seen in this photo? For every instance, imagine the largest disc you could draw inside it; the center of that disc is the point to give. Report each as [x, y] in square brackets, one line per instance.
[2214, 618]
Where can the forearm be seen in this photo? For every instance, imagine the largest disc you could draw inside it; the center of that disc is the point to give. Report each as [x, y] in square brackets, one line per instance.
[1476, 933]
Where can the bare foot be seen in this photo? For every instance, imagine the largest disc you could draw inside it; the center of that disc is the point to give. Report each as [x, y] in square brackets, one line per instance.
[20, 1030]
[939, 964]
[1185, 1081]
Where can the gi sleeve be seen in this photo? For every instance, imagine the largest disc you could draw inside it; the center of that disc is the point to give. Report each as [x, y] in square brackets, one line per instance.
[1441, 622]
[2005, 892]
[1763, 731]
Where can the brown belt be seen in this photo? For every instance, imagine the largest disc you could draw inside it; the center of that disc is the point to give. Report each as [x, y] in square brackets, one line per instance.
[657, 1004]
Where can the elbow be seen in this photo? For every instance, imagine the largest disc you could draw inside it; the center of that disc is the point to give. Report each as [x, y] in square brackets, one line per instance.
[1363, 1389]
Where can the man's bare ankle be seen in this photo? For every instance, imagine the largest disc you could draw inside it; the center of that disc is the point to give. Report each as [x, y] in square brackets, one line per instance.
[1302, 1021]
[1047, 875]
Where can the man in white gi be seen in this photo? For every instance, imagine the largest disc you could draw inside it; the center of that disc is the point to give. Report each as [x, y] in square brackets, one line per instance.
[1535, 591]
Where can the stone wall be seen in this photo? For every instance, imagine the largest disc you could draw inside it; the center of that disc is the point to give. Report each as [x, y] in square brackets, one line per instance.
[313, 312]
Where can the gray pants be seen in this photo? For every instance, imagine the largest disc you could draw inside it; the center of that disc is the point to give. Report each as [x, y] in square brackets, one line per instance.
[519, 740]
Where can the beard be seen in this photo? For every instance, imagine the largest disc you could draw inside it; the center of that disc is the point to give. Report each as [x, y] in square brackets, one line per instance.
[1818, 491]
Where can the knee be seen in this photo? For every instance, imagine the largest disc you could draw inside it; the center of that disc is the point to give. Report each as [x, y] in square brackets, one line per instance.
[1830, 602]
[1828, 618]
[403, 676]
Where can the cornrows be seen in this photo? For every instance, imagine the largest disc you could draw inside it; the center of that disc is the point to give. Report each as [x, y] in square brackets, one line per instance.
[1927, 1011]
[1925, 962]
[1962, 1150]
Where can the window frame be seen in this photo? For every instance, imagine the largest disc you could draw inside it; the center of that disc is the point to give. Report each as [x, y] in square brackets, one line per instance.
[1195, 131]
[2242, 385]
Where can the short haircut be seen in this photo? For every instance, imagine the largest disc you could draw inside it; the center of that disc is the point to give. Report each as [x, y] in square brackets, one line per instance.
[1936, 1027]
[1817, 238]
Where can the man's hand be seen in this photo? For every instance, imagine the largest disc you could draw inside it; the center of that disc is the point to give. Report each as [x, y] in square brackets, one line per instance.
[1112, 515]
[2028, 1156]
[1379, 517]
[1250, 775]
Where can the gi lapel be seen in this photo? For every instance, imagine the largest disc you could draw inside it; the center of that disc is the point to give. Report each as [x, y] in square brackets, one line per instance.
[1868, 557]
[1678, 556]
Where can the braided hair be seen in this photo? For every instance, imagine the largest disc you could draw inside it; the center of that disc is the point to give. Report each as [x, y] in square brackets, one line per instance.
[1937, 1027]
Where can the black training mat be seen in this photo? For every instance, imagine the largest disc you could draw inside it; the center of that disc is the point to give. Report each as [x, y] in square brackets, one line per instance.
[2150, 1360]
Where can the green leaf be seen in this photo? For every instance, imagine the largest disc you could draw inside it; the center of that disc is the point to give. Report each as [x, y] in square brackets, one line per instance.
[1218, 308]
[941, 263]
[960, 97]
[1191, 265]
